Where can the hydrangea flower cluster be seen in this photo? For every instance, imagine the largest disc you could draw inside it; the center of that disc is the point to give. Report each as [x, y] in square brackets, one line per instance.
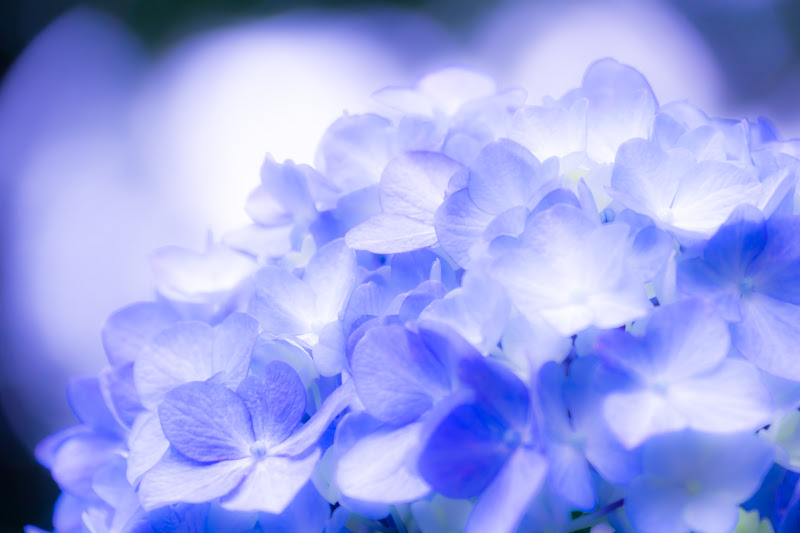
[473, 314]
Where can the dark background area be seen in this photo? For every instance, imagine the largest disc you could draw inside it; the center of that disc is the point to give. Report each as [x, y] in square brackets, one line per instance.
[735, 32]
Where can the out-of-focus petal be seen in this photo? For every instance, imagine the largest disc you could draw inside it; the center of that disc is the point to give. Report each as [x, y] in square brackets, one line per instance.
[502, 505]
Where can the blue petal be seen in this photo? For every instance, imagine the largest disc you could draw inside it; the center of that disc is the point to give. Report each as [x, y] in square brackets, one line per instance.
[146, 445]
[570, 477]
[276, 403]
[459, 223]
[180, 354]
[206, 422]
[282, 303]
[176, 478]
[498, 388]
[233, 342]
[329, 353]
[465, 452]
[129, 329]
[737, 242]
[555, 197]
[87, 402]
[686, 339]
[653, 508]
[504, 502]
[287, 185]
[504, 175]
[769, 335]
[353, 150]
[119, 387]
[696, 278]
[78, 458]
[776, 272]
[396, 376]
[706, 458]
[381, 467]
[446, 343]
[387, 233]
[272, 484]
[478, 311]
[420, 298]
[330, 274]
[413, 184]
[310, 432]
[308, 513]
[621, 105]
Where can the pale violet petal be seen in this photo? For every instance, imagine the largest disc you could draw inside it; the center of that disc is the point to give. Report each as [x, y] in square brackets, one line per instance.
[711, 513]
[272, 484]
[549, 131]
[178, 479]
[708, 194]
[397, 377]
[381, 467]
[633, 417]
[730, 399]
[459, 224]
[354, 150]
[282, 303]
[413, 184]
[330, 274]
[453, 87]
[146, 445]
[276, 402]
[504, 175]
[180, 354]
[441, 515]
[188, 276]
[503, 503]
[310, 432]
[621, 106]
[233, 342]
[391, 234]
[206, 422]
[769, 335]
[329, 352]
[685, 339]
[131, 328]
[646, 178]
[477, 310]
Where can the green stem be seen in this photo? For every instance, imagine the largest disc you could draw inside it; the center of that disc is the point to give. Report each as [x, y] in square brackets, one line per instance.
[398, 522]
[372, 524]
[592, 519]
[316, 394]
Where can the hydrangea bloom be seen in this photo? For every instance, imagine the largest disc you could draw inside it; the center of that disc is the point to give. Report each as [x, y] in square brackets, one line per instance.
[473, 315]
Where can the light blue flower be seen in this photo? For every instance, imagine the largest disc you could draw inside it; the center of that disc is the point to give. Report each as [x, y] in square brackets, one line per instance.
[688, 483]
[241, 446]
[678, 376]
[750, 270]
[571, 271]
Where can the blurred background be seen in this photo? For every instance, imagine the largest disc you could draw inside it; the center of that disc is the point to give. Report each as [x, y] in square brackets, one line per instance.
[127, 125]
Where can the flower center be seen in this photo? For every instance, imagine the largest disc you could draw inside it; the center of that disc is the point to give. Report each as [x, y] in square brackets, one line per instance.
[694, 486]
[258, 449]
[746, 286]
[666, 215]
[511, 438]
